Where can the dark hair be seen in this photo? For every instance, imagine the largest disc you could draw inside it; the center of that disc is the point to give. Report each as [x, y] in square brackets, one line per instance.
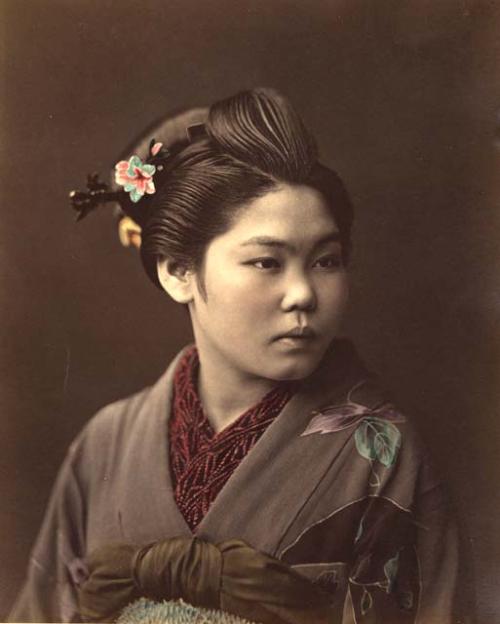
[252, 142]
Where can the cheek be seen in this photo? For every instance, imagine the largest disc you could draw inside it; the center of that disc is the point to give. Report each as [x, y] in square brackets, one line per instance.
[333, 296]
[241, 291]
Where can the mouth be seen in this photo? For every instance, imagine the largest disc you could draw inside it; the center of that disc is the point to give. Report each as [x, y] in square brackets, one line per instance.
[297, 335]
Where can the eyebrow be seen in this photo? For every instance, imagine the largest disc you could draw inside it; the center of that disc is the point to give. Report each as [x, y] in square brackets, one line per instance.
[269, 241]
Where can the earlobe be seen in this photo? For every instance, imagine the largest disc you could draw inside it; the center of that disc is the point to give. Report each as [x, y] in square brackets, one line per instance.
[176, 280]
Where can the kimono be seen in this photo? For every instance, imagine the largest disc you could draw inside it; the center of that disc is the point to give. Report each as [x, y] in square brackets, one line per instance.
[339, 486]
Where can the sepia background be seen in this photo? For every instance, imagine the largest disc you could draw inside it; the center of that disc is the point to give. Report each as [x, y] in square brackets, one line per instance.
[404, 97]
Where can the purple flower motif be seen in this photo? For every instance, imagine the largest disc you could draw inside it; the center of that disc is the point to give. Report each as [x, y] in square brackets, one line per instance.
[335, 418]
[338, 417]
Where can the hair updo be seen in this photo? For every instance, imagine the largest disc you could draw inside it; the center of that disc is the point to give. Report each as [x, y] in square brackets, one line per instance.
[252, 142]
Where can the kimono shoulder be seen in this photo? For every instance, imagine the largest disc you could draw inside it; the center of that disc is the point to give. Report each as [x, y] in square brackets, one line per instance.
[113, 430]
[130, 431]
[377, 530]
[112, 486]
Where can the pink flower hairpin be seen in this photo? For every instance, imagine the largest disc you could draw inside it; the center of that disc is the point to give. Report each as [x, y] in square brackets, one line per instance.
[136, 176]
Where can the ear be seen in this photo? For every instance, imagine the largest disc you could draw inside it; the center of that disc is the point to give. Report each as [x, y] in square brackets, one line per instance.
[176, 280]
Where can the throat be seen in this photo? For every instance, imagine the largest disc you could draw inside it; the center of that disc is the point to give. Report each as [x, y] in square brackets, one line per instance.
[226, 397]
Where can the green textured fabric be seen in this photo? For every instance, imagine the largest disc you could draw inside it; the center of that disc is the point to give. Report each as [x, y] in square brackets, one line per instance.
[145, 611]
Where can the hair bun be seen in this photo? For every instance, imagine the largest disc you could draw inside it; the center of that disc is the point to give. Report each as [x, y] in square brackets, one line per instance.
[261, 128]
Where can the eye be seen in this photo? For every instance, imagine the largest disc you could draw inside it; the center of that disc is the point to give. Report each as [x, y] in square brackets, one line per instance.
[332, 261]
[265, 264]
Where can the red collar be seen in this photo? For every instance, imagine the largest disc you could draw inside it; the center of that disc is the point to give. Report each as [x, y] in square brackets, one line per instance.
[202, 461]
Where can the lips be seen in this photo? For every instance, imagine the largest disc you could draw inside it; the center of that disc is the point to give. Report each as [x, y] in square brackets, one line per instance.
[304, 333]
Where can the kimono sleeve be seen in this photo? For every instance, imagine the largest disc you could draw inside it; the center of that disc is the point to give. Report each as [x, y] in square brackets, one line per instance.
[446, 579]
[410, 565]
[55, 566]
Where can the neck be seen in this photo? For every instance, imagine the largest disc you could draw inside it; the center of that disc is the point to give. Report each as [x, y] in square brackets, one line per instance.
[225, 392]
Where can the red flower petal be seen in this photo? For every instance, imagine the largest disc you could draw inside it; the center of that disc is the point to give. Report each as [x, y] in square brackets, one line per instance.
[140, 185]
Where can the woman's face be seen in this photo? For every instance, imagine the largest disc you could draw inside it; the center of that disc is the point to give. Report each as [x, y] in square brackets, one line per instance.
[277, 270]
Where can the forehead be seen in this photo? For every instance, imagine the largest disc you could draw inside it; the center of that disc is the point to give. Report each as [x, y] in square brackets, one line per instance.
[290, 212]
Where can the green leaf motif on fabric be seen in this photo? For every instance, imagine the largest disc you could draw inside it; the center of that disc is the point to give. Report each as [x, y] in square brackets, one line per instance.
[378, 439]
[366, 601]
[390, 570]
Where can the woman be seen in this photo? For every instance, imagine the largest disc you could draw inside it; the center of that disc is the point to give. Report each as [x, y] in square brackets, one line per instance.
[265, 474]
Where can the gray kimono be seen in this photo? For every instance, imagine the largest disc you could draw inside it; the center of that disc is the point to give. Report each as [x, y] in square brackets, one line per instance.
[338, 486]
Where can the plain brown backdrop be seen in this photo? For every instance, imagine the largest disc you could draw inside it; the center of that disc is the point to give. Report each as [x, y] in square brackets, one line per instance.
[403, 96]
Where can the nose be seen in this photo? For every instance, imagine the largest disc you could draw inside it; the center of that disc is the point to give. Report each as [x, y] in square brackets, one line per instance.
[299, 293]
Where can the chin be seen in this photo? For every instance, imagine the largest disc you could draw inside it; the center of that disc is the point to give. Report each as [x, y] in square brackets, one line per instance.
[296, 370]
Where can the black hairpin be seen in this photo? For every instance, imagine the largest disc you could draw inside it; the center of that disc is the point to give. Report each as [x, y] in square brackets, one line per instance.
[97, 193]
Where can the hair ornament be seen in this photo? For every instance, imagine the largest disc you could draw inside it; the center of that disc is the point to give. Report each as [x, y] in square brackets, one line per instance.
[136, 176]
[133, 174]
[97, 193]
[129, 232]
